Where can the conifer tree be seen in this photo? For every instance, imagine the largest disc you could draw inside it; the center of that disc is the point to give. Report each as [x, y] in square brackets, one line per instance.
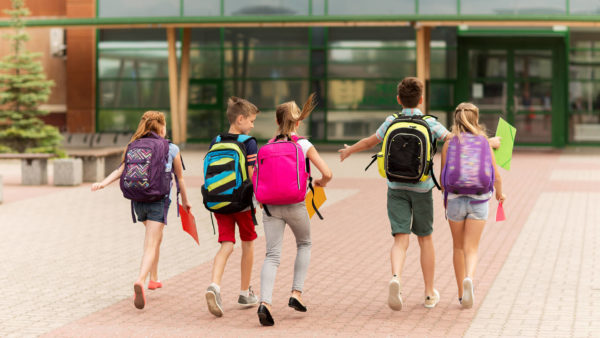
[23, 87]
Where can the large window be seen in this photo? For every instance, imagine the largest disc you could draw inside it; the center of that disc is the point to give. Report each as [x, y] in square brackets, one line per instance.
[440, 94]
[138, 8]
[584, 86]
[584, 7]
[513, 7]
[373, 7]
[232, 8]
[266, 7]
[364, 66]
[132, 77]
[354, 71]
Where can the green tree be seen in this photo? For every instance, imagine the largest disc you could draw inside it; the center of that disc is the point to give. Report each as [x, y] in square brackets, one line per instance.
[23, 87]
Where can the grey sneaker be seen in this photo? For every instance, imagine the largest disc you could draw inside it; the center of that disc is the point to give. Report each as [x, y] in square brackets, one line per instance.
[213, 300]
[468, 296]
[395, 297]
[248, 301]
[432, 301]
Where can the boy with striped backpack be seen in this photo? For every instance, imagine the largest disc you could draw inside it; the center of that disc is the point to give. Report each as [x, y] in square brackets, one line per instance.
[228, 193]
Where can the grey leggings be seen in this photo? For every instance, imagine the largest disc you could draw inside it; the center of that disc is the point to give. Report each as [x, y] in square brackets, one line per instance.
[296, 216]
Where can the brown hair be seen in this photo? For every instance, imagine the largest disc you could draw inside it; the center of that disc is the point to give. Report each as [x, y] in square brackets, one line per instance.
[237, 106]
[410, 91]
[288, 114]
[152, 121]
[466, 120]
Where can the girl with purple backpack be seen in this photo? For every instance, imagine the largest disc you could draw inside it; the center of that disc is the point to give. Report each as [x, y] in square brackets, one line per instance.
[280, 183]
[150, 159]
[469, 177]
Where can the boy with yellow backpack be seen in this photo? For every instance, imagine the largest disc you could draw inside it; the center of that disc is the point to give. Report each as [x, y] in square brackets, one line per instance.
[406, 160]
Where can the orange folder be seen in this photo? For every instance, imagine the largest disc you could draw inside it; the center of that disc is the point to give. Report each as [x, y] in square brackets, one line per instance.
[188, 222]
[500, 213]
[319, 200]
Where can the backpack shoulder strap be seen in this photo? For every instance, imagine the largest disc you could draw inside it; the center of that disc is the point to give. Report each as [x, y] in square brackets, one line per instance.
[243, 138]
[227, 136]
[426, 117]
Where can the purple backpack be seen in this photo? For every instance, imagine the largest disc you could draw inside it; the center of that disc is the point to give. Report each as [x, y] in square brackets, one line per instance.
[144, 178]
[468, 168]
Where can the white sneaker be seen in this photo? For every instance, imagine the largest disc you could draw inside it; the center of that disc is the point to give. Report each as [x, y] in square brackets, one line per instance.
[431, 302]
[468, 297]
[395, 296]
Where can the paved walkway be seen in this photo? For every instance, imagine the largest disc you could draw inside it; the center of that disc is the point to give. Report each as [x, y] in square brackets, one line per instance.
[70, 257]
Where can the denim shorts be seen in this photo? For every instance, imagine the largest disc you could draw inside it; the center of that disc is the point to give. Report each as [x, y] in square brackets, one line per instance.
[461, 208]
[154, 211]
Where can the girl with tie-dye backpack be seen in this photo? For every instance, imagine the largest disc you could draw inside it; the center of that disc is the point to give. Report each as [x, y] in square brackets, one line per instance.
[145, 178]
[469, 177]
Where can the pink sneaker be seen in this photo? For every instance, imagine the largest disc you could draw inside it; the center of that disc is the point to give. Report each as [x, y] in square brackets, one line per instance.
[152, 285]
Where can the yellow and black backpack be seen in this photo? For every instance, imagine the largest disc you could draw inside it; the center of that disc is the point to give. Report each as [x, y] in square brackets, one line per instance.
[407, 151]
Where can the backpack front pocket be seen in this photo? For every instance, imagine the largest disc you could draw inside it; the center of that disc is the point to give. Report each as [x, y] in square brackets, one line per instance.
[221, 175]
[407, 160]
[137, 169]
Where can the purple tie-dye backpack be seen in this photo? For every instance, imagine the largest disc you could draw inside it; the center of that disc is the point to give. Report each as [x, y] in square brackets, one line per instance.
[468, 168]
[144, 178]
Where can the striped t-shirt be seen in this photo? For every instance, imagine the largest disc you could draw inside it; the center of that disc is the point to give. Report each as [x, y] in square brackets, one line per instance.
[438, 132]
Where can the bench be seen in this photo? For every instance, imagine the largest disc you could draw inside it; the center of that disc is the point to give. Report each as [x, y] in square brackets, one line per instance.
[34, 167]
[97, 162]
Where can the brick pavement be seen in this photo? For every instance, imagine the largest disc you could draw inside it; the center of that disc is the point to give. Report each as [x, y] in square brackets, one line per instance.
[73, 277]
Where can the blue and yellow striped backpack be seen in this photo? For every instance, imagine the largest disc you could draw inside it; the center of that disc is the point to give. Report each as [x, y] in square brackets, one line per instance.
[227, 187]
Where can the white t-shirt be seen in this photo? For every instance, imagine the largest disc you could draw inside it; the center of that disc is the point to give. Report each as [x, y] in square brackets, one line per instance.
[305, 145]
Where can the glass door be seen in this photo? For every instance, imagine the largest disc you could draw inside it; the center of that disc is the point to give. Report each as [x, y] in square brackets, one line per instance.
[520, 80]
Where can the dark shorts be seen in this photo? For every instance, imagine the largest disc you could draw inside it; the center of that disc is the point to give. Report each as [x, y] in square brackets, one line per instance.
[410, 211]
[153, 211]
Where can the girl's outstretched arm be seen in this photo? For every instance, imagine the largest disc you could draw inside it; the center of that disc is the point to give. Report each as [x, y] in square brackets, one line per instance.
[178, 169]
[326, 174]
[109, 179]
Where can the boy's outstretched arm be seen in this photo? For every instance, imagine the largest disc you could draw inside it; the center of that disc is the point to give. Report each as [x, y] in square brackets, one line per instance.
[494, 142]
[364, 144]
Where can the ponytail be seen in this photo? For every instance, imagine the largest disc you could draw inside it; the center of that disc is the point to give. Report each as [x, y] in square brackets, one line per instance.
[288, 114]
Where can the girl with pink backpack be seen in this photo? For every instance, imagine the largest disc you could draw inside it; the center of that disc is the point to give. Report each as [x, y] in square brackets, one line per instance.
[469, 177]
[280, 179]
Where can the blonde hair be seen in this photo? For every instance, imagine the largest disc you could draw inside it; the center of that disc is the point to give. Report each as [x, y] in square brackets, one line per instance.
[466, 120]
[237, 106]
[288, 114]
[152, 121]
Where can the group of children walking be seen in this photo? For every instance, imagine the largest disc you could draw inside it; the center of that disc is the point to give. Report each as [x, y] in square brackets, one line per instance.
[239, 178]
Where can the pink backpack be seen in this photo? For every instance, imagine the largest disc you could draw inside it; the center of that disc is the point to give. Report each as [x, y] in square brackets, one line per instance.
[281, 173]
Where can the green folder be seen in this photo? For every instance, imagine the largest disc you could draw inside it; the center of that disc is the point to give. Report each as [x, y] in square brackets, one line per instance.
[507, 133]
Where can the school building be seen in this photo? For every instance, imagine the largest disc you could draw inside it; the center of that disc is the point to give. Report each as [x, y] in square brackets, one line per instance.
[534, 63]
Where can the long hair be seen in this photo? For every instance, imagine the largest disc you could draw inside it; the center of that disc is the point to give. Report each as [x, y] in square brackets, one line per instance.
[466, 120]
[152, 121]
[288, 114]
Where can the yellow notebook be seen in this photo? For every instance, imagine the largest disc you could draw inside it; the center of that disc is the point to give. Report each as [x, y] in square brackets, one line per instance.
[319, 200]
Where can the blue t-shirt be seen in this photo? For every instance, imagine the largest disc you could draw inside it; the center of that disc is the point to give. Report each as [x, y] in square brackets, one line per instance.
[173, 151]
[251, 149]
[438, 132]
